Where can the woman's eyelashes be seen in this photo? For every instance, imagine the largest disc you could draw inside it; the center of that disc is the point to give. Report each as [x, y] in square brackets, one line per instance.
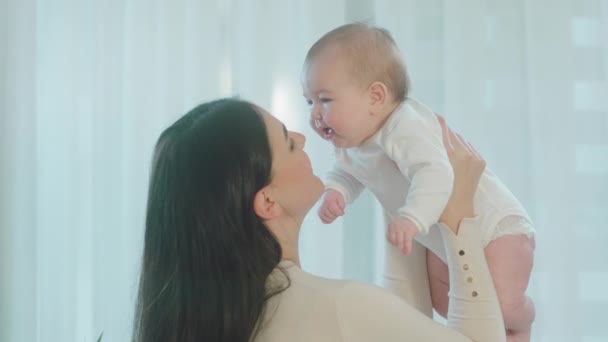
[291, 144]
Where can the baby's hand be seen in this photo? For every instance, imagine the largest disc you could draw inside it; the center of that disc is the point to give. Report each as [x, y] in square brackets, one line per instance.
[332, 207]
[401, 233]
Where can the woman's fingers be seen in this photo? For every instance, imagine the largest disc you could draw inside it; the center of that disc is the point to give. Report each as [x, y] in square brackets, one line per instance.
[471, 151]
[480, 163]
[445, 133]
[474, 151]
[458, 148]
[458, 141]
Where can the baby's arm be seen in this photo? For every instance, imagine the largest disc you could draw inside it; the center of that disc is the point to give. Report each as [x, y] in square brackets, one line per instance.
[415, 145]
[345, 183]
[341, 188]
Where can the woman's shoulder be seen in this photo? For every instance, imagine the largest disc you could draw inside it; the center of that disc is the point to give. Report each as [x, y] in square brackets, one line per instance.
[307, 309]
[300, 280]
[324, 309]
[346, 295]
[303, 284]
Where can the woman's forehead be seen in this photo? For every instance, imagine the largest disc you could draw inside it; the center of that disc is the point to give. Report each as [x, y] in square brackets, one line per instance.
[273, 124]
[274, 129]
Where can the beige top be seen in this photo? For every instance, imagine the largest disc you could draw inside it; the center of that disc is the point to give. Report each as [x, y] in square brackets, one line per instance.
[318, 309]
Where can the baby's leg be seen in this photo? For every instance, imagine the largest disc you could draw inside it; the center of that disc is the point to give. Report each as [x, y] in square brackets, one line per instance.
[439, 283]
[510, 259]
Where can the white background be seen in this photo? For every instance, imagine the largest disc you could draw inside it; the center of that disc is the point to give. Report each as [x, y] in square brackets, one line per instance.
[87, 86]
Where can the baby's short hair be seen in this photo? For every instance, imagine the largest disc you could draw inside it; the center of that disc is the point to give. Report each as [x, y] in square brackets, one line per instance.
[373, 54]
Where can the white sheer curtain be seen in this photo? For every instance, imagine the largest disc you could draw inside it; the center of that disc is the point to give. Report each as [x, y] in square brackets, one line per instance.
[527, 82]
[87, 86]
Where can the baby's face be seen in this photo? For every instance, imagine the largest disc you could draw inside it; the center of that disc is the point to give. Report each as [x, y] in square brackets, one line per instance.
[339, 105]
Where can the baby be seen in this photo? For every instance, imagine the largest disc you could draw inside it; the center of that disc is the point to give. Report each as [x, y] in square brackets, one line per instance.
[357, 88]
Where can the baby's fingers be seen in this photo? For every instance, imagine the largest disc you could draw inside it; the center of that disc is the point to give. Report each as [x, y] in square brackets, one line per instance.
[400, 240]
[407, 245]
[327, 217]
[391, 236]
[334, 209]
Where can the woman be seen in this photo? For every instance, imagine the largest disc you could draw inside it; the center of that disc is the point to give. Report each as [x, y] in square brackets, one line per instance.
[229, 189]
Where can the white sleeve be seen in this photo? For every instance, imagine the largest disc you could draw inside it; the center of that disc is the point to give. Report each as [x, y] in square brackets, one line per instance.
[407, 277]
[345, 183]
[416, 147]
[368, 313]
[473, 299]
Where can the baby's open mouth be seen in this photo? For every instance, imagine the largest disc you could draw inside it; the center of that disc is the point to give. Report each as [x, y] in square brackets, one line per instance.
[327, 132]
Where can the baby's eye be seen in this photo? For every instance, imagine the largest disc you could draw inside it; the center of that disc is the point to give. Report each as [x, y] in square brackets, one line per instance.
[325, 100]
[291, 144]
[309, 102]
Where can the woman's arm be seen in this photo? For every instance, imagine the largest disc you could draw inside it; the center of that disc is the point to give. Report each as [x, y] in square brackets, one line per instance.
[468, 167]
[368, 313]
[474, 309]
[407, 277]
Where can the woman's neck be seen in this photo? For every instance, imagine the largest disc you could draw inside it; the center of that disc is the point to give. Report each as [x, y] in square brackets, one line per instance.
[287, 232]
[291, 254]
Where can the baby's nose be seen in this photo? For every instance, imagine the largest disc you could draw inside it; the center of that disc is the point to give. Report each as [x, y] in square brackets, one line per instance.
[315, 113]
[314, 123]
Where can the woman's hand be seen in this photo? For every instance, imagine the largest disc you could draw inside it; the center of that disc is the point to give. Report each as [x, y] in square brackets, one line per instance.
[468, 167]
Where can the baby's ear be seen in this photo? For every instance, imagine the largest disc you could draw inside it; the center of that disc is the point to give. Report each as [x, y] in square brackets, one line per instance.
[264, 204]
[378, 93]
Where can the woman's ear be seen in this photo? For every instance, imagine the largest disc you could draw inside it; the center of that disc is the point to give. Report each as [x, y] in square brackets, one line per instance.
[264, 204]
[378, 93]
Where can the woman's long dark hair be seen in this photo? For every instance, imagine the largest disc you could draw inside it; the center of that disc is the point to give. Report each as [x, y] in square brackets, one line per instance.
[206, 254]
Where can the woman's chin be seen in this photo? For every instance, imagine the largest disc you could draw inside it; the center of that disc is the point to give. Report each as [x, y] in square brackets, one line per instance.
[318, 190]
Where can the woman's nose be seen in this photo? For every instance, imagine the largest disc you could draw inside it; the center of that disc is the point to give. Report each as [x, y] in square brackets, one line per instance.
[300, 139]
